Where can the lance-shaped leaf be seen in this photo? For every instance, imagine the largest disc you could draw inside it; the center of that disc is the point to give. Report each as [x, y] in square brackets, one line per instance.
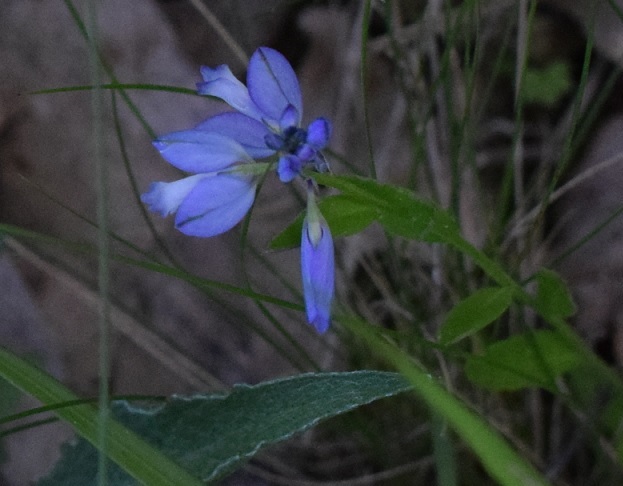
[344, 215]
[553, 298]
[397, 209]
[475, 312]
[533, 359]
[210, 435]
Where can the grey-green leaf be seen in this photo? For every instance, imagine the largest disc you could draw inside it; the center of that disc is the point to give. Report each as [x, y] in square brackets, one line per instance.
[474, 313]
[210, 435]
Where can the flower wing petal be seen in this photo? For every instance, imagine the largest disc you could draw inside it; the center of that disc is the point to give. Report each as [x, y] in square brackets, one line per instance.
[318, 271]
[166, 197]
[221, 83]
[273, 85]
[289, 167]
[215, 205]
[246, 131]
[289, 118]
[200, 151]
[318, 133]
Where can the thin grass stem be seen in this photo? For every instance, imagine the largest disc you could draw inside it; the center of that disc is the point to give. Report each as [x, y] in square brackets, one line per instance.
[365, 27]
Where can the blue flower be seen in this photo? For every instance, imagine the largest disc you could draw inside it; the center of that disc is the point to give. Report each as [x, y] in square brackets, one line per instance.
[317, 267]
[269, 111]
[219, 154]
[220, 193]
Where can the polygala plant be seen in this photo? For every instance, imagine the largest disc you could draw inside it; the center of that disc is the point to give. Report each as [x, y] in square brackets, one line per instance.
[222, 152]
[445, 353]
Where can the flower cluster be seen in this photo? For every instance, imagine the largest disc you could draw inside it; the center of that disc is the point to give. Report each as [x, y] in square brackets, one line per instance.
[222, 153]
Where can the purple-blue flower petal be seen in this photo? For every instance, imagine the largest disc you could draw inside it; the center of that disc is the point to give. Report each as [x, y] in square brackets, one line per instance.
[246, 131]
[289, 167]
[272, 84]
[273, 141]
[221, 83]
[318, 133]
[289, 118]
[200, 151]
[215, 205]
[305, 152]
[166, 197]
[318, 271]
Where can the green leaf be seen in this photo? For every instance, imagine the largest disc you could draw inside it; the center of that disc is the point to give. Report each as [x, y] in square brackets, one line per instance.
[344, 215]
[289, 237]
[396, 208]
[533, 359]
[505, 465]
[553, 298]
[9, 395]
[402, 214]
[210, 435]
[474, 313]
[548, 85]
[136, 456]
